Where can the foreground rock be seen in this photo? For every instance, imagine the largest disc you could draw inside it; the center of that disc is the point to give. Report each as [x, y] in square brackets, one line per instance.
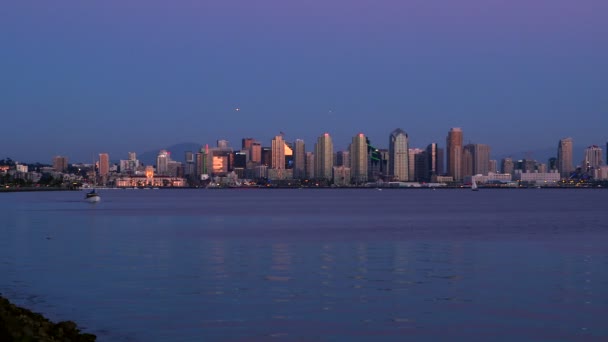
[17, 324]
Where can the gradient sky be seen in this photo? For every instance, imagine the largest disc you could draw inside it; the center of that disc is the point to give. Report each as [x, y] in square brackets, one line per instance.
[82, 77]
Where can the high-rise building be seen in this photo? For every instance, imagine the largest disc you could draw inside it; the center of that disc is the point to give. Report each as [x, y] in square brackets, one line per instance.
[358, 159]
[324, 151]
[104, 164]
[266, 156]
[247, 142]
[223, 144]
[552, 163]
[593, 157]
[398, 159]
[277, 153]
[299, 160]
[377, 166]
[132, 156]
[454, 153]
[60, 163]
[202, 163]
[255, 152]
[310, 165]
[475, 160]
[342, 159]
[493, 166]
[162, 163]
[289, 157]
[433, 160]
[412, 157]
[564, 157]
[507, 166]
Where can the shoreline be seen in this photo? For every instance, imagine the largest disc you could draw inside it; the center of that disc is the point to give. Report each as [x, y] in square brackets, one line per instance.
[20, 324]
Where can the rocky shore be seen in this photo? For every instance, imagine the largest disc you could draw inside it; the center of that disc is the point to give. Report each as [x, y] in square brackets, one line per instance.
[18, 324]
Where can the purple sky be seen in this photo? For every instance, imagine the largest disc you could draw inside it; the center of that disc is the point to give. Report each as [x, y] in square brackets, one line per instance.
[82, 77]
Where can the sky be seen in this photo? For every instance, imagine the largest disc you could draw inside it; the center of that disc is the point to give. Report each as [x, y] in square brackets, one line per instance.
[82, 77]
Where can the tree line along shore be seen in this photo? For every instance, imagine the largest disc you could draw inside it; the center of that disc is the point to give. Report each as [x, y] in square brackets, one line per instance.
[22, 325]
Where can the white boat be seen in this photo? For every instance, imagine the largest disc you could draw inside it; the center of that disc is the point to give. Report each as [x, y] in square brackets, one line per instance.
[474, 186]
[92, 197]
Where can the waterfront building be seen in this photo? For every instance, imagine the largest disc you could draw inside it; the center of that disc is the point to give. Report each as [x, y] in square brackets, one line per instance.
[537, 178]
[60, 163]
[267, 156]
[564, 157]
[454, 153]
[342, 175]
[299, 159]
[324, 151]
[398, 161]
[358, 159]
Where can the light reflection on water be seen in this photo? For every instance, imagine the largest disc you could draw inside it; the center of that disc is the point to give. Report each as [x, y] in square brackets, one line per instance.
[356, 265]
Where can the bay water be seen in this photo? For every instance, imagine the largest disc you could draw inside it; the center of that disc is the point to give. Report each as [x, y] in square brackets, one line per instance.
[312, 264]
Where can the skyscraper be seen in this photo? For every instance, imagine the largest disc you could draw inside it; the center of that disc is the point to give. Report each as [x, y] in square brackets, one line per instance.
[299, 159]
[507, 166]
[343, 159]
[593, 157]
[310, 165]
[433, 160]
[162, 163]
[324, 157]
[358, 159]
[277, 153]
[414, 154]
[476, 160]
[454, 153]
[564, 157]
[104, 164]
[60, 163]
[398, 155]
[246, 143]
[255, 152]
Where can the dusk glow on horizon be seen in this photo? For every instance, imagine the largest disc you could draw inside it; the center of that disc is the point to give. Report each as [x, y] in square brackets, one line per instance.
[118, 76]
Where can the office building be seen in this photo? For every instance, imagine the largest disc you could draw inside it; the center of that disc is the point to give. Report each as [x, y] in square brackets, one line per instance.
[104, 165]
[454, 153]
[310, 165]
[162, 163]
[564, 157]
[507, 166]
[398, 159]
[593, 157]
[60, 163]
[324, 151]
[299, 159]
[358, 159]
[277, 153]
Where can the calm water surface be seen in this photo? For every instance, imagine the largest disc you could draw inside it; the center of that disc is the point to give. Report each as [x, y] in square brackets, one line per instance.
[356, 265]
